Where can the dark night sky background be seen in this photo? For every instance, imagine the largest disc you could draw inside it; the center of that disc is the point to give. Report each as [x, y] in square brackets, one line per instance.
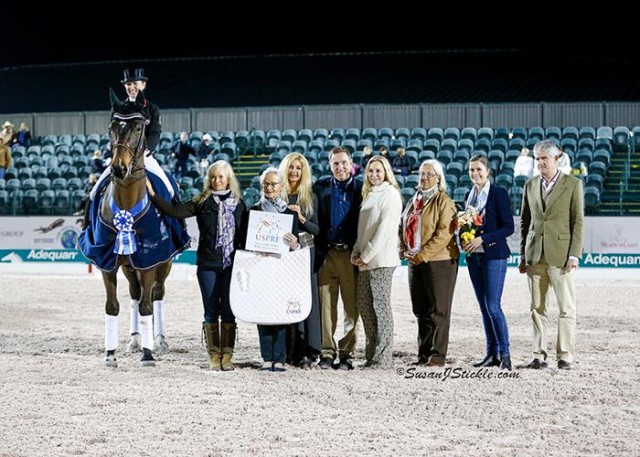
[65, 61]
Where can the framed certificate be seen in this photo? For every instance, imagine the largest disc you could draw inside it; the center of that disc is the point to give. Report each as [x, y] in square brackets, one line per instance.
[266, 231]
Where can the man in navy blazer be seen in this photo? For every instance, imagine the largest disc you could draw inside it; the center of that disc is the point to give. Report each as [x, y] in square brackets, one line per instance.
[339, 199]
[487, 256]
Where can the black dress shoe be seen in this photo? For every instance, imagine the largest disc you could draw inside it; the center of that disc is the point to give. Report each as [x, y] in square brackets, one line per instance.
[505, 363]
[488, 361]
[326, 363]
[345, 364]
[564, 365]
[536, 364]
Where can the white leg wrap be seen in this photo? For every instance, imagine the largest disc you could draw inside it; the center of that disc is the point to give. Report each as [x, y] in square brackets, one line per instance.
[158, 318]
[152, 165]
[103, 176]
[110, 332]
[134, 317]
[146, 332]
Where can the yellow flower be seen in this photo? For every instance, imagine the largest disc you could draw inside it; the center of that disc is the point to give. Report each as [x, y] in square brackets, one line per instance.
[468, 236]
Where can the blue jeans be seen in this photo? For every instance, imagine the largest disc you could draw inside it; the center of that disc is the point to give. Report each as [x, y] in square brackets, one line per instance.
[214, 288]
[273, 339]
[487, 277]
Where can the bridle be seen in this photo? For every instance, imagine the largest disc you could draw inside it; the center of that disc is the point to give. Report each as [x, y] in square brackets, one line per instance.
[136, 152]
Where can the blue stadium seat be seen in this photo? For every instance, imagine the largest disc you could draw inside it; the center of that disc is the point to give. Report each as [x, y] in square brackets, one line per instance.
[483, 144]
[520, 133]
[426, 155]
[465, 144]
[289, 135]
[486, 133]
[403, 133]
[602, 155]
[591, 199]
[621, 135]
[46, 200]
[352, 133]
[452, 132]
[299, 146]
[414, 145]
[536, 133]
[588, 143]
[459, 194]
[350, 145]
[411, 181]
[419, 133]
[553, 132]
[436, 133]
[370, 134]
[61, 202]
[320, 133]
[337, 134]
[598, 168]
[571, 132]
[444, 157]
[407, 193]
[386, 133]
[452, 182]
[596, 181]
[502, 133]
[501, 144]
[432, 145]
[604, 132]
[469, 133]
[587, 132]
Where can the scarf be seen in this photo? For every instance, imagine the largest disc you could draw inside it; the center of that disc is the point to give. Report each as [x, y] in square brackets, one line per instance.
[225, 235]
[277, 205]
[419, 201]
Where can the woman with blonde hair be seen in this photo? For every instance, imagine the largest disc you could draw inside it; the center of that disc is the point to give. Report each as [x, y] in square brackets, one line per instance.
[219, 211]
[429, 244]
[304, 340]
[375, 253]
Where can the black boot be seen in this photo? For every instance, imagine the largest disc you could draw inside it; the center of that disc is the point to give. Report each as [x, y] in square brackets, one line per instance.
[505, 363]
[489, 361]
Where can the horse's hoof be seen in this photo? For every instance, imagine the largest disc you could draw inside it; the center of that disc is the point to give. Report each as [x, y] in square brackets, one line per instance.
[147, 359]
[111, 362]
[134, 345]
[160, 347]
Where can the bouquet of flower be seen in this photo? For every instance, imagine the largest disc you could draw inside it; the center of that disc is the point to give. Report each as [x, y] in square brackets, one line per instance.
[467, 223]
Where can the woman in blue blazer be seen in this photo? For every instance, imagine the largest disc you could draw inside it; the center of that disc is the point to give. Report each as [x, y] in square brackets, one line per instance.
[487, 256]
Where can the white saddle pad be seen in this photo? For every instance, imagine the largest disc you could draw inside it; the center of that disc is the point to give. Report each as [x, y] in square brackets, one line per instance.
[269, 290]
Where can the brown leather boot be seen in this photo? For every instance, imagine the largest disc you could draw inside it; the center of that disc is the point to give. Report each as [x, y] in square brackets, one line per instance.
[212, 335]
[228, 343]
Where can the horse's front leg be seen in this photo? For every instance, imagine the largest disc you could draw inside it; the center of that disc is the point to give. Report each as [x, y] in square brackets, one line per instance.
[134, 311]
[157, 295]
[145, 278]
[112, 309]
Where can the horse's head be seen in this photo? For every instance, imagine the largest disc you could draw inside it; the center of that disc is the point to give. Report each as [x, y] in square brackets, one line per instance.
[127, 135]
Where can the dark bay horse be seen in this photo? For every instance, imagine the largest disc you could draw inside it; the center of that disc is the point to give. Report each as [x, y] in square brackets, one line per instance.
[126, 231]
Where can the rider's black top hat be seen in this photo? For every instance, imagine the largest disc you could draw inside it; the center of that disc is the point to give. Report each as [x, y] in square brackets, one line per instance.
[138, 75]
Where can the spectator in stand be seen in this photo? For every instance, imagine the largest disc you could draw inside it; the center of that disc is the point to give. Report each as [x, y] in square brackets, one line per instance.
[401, 163]
[91, 181]
[564, 163]
[524, 164]
[23, 136]
[6, 136]
[367, 153]
[97, 163]
[204, 153]
[384, 152]
[181, 152]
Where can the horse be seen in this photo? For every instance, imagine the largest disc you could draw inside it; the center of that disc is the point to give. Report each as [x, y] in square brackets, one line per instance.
[127, 231]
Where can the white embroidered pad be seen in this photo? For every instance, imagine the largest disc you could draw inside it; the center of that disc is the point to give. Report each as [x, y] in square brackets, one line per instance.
[269, 290]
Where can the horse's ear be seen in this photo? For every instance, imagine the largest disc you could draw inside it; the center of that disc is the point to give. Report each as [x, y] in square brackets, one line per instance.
[115, 101]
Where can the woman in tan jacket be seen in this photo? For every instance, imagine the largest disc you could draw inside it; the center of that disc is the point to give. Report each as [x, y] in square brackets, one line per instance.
[428, 243]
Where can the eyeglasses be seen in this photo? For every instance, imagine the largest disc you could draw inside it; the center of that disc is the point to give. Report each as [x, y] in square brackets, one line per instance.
[429, 175]
[271, 185]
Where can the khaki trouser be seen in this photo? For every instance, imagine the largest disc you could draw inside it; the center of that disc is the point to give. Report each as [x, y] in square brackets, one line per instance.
[541, 276]
[337, 274]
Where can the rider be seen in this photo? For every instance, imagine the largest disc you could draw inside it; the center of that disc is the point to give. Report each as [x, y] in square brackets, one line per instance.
[135, 83]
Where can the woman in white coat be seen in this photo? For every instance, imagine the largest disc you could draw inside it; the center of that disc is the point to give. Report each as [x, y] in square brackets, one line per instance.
[376, 256]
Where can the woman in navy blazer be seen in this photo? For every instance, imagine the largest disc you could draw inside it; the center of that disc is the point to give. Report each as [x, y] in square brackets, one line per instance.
[487, 256]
